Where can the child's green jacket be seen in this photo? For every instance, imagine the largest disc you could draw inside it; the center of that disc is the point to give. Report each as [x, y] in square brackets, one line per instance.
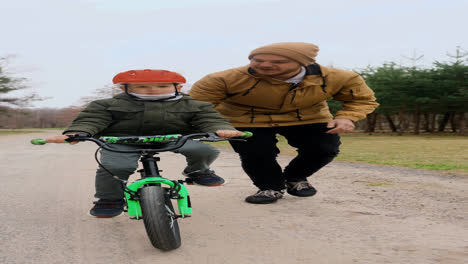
[125, 116]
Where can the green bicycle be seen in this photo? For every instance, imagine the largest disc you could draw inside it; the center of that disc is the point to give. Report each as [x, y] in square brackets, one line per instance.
[150, 197]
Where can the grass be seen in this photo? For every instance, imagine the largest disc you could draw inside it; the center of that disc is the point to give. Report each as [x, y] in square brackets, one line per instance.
[432, 152]
[448, 153]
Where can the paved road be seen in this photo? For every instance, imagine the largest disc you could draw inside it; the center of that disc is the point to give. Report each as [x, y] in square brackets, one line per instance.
[362, 214]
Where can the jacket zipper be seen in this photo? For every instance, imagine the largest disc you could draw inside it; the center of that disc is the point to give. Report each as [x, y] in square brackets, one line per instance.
[252, 116]
[294, 85]
[248, 90]
[323, 84]
[298, 116]
[293, 96]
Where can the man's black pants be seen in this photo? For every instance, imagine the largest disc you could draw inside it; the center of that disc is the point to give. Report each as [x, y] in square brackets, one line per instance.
[258, 155]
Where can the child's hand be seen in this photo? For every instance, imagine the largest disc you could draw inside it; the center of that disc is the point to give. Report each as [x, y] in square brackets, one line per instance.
[59, 139]
[229, 133]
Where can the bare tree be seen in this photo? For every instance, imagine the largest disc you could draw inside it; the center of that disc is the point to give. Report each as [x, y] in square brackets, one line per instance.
[107, 91]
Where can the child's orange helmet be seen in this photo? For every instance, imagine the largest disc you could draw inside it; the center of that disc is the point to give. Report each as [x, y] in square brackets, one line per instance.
[148, 76]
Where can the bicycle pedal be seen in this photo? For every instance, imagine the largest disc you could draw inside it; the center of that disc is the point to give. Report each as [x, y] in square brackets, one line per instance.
[189, 181]
[186, 216]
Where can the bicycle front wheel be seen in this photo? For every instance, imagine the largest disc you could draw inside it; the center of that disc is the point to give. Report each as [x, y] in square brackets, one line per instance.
[160, 218]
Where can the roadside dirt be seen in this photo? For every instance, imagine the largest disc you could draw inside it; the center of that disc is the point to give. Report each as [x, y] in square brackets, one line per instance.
[361, 214]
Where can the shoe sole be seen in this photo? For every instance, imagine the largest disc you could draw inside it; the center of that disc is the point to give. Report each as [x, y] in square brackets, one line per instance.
[264, 202]
[301, 195]
[212, 185]
[101, 216]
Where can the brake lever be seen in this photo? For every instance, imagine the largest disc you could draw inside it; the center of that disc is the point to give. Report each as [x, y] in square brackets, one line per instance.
[236, 139]
[72, 138]
[212, 137]
[220, 139]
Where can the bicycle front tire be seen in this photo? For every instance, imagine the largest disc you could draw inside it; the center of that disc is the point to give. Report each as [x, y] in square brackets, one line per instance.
[159, 218]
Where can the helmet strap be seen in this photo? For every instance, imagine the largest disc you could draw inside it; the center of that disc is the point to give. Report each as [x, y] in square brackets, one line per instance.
[175, 87]
[126, 91]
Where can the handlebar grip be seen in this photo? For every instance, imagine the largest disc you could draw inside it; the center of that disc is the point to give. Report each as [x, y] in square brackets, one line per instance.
[38, 141]
[246, 134]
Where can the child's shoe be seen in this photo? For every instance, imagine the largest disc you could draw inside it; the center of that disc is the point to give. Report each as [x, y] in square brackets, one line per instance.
[104, 208]
[206, 178]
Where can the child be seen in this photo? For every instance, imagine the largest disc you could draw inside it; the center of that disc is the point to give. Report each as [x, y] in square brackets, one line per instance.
[150, 105]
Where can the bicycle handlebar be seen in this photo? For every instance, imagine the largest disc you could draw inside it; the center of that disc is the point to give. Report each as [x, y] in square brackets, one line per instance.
[181, 140]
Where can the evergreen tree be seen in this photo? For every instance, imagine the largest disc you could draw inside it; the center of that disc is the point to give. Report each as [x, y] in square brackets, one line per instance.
[10, 84]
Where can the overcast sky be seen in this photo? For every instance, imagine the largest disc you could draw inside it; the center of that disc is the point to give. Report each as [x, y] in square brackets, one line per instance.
[69, 48]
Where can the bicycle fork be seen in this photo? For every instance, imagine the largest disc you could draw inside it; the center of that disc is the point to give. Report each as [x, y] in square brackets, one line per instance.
[150, 176]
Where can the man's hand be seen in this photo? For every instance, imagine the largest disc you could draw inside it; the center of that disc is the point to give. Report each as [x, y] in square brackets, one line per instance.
[229, 133]
[59, 139]
[340, 125]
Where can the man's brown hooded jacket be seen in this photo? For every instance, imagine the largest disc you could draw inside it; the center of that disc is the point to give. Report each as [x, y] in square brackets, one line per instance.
[251, 100]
